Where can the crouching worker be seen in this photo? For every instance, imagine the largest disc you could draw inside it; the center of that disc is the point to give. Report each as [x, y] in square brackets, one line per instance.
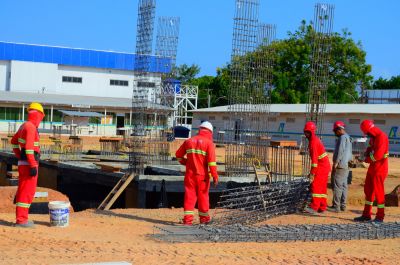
[200, 156]
[25, 144]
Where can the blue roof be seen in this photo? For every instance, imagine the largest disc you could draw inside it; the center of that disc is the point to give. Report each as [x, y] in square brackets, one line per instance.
[79, 57]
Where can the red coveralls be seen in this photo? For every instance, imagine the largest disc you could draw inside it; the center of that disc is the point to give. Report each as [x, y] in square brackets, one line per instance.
[377, 156]
[25, 144]
[320, 168]
[200, 155]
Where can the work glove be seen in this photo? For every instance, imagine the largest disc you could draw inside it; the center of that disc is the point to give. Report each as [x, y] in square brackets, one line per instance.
[33, 171]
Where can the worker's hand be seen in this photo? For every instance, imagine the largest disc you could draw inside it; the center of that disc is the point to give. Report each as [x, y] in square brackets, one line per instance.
[33, 171]
[182, 161]
[311, 177]
[215, 181]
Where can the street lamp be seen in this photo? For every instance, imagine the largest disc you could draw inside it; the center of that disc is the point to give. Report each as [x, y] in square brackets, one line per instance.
[354, 99]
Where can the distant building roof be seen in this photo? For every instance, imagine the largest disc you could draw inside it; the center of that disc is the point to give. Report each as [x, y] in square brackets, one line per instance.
[72, 113]
[383, 96]
[80, 57]
[330, 108]
[75, 101]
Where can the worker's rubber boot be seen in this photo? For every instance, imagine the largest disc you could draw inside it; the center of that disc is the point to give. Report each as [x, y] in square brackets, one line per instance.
[310, 210]
[378, 221]
[362, 218]
[333, 209]
[29, 224]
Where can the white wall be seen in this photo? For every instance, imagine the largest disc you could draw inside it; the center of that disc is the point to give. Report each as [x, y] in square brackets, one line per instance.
[4, 81]
[32, 77]
[36, 77]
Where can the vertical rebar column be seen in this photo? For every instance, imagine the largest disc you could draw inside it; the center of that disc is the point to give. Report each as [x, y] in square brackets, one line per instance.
[244, 42]
[319, 72]
[144, 45]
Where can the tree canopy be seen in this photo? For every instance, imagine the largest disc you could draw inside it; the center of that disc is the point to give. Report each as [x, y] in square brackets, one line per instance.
[392, 83]
[291, 70]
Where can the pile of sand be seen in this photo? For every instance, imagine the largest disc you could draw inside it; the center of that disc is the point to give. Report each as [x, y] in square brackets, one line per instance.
[7, 197]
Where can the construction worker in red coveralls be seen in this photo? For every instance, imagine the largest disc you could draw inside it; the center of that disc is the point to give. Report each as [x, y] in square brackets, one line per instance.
[25, 144]
[320, 168]
[376, 155]
[200, 156]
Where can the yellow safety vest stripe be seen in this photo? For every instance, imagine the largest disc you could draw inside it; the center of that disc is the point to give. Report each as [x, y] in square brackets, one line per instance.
[316, 195]
[188, 212]
[322, 156]
[386, 155]
[369, 203]
[381, 205]
[22, 141]
[23, 205]
[196, 151]
[35, 143]
[15, 146]
[212, 164]
[203, 214]
[314, 165]
[29, 152]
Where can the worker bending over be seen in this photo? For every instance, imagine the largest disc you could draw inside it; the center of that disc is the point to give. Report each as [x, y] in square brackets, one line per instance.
[320, 168]
[376, 155]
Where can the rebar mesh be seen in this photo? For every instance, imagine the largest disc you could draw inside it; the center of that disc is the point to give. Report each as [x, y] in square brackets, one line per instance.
[279, 233]
[255, 203]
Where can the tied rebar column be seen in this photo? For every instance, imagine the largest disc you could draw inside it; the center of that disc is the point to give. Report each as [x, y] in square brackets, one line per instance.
[141, 84]
[319, 72]
[246, 135]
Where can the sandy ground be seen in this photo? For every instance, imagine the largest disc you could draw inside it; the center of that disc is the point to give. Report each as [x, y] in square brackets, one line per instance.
[123, 235]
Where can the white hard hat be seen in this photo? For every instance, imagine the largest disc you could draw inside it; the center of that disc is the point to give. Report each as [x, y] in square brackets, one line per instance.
[207, 125]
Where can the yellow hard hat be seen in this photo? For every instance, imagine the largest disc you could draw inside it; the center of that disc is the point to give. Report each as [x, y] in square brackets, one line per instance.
[36, 106]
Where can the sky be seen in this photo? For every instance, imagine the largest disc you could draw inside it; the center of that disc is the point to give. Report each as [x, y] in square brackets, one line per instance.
[206, 26]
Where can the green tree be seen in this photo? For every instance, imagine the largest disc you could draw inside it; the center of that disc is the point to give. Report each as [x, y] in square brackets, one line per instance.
[292, 56]
[185, 73]
[392, 83]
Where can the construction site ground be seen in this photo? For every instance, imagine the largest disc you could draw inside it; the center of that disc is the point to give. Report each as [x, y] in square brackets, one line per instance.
[124, 235]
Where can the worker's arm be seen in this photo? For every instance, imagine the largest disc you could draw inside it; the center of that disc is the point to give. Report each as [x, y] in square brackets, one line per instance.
[341, 151]
[380, 149]
[180, 153]
[29, 144]
[314, 160]
[212, 162]
[15, 146]
[368, 152]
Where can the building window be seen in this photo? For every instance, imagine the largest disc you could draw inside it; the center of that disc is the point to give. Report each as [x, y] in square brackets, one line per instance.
[290, 120]
[354, 121]
[119, 82]
[71, 79]
[146, 84]
[211, 118]
[380, 122]
[273, 119]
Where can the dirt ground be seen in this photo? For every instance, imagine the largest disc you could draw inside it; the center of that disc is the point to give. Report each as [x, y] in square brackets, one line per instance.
[123, 235]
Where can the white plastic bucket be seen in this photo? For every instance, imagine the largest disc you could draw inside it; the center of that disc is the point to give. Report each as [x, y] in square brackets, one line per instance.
[59, 213]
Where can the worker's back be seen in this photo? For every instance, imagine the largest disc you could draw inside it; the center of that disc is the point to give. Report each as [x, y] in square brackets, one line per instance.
[197, 150]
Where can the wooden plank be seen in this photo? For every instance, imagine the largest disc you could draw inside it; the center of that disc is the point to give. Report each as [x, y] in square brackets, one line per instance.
[109, 168]
[13, 174]
[283, 143]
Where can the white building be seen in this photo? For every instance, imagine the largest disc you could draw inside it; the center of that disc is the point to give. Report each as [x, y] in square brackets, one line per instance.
[76, 80]
[286, 121]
